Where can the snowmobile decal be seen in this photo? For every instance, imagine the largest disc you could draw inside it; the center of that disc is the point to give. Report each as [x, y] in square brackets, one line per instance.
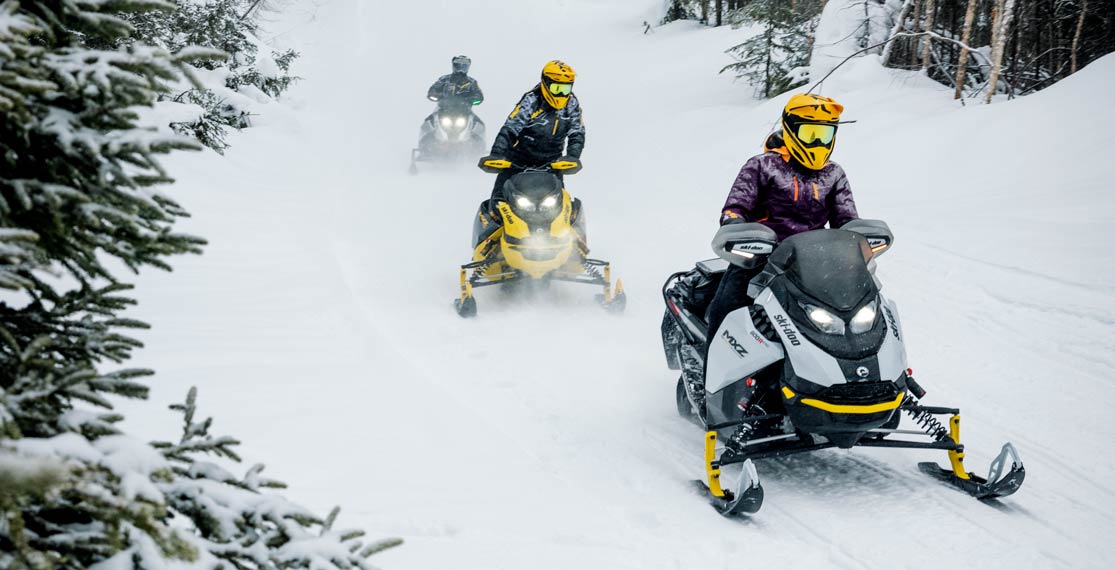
[736, 346]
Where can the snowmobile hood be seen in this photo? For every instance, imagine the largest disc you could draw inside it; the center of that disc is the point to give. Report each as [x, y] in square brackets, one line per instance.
[828, 265]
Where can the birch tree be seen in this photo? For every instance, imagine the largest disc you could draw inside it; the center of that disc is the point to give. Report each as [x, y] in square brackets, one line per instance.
[965, 38]
[1002, 32]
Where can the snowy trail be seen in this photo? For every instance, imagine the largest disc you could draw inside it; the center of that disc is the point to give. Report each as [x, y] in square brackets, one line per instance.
[319, 330]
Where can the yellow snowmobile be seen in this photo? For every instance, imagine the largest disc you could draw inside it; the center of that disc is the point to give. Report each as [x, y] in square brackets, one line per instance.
[536, 235]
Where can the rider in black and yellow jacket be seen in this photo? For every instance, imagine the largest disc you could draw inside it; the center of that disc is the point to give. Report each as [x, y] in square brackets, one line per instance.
[544, 127]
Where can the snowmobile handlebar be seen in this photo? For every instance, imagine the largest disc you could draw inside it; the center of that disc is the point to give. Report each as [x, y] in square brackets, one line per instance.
[876, 232]
[563, 165]
[744, 244]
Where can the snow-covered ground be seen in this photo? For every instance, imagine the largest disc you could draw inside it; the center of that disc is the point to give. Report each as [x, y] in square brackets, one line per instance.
[318, 325]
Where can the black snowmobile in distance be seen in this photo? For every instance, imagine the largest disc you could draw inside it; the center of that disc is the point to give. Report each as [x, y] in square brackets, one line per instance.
[817, 361]
[537, 236]
[452, 132]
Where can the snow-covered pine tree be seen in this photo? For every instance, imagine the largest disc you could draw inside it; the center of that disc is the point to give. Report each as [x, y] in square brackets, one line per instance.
[79, 195]
[776, 59]
[252, 72]
[237, 520]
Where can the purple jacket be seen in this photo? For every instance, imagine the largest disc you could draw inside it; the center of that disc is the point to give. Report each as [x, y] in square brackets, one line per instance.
[789, 199]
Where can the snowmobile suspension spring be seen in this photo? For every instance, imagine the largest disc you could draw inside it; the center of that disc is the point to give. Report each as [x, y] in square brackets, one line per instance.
[592, 271]
[933, 427]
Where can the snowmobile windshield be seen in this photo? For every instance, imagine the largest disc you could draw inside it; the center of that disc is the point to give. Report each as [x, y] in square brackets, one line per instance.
[534, 196]
[828, 265]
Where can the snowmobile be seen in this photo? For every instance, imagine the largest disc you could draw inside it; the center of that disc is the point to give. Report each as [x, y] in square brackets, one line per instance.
[816, 361]
[536, 236]
[450, 133]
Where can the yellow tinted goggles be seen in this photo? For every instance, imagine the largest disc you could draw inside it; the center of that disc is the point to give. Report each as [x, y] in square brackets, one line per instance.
[813, 134]
[562, 89]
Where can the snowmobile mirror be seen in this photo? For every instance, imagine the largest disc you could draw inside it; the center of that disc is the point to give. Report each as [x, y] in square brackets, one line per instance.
[745, 245]
[876, 232]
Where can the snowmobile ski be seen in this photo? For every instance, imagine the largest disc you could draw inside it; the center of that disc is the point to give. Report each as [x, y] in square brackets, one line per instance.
[997, 484]
[748, 497]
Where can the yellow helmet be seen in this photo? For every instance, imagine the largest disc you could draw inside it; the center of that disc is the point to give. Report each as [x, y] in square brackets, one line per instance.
[809, 129]
[557, 83]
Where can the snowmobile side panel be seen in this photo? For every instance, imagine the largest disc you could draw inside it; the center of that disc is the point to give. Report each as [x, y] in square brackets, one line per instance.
[892, 354]
[737, 351]
[810, 362]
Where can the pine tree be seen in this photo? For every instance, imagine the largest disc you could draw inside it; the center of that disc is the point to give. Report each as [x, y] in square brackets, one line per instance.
[776, 59]
[222, 87]
[80, 193]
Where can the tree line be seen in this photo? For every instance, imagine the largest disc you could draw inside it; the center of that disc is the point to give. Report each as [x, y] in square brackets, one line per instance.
[980, 48]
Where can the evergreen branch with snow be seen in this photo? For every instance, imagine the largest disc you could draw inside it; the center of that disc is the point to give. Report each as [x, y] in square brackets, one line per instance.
[80, 185]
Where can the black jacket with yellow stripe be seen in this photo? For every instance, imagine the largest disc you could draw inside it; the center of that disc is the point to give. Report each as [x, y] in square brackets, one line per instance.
[535, 133]
[456, 88]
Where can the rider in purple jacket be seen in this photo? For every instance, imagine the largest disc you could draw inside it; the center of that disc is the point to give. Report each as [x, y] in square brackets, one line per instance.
[791, 188]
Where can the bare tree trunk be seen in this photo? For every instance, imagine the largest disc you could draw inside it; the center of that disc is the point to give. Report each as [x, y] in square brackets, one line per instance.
[719, 12]
[1001, 35]
[704, 11]
[1078, 34]
[930, 16]
[965, 37]
[996, 14]
[899, 25]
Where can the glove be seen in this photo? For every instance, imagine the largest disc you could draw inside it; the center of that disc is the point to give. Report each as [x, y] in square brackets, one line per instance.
[494, 164]
[726, 219]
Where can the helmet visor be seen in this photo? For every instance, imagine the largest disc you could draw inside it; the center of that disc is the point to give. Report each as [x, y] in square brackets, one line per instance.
[814, 134]
[561, 89]
[461, 64]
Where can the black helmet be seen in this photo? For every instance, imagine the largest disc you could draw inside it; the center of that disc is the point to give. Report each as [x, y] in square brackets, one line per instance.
[461, 63]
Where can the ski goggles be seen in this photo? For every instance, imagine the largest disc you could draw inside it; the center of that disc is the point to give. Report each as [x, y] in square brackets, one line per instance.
[814, 134]
[561, 89]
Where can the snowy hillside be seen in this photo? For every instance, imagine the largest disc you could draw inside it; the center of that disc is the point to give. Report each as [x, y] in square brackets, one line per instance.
[318, 325]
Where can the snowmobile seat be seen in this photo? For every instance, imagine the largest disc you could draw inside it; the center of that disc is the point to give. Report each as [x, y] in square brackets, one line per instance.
[701, 284]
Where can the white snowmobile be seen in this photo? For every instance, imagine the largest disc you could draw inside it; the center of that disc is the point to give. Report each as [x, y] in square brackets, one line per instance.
[817, 361]
[452, 132]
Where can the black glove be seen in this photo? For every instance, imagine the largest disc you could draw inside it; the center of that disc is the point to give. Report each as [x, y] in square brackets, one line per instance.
[726, 219]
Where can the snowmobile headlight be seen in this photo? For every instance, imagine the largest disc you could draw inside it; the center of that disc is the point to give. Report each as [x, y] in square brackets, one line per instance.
[864, 318]
[524, 202]
[825, 321]
[446, 122]
[549, 202]
[460, 122]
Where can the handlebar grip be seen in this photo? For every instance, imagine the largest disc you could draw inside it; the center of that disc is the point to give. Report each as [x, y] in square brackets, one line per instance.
[494, 165]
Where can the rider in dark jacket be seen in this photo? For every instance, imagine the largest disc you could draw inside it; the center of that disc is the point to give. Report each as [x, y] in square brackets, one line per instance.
[791, 188]
[457, 87]
[544, 127]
